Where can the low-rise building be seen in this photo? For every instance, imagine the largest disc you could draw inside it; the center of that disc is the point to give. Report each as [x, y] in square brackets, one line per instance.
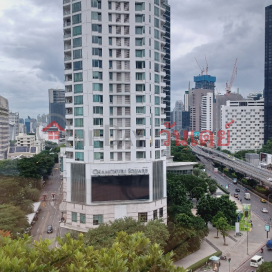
[253, 158]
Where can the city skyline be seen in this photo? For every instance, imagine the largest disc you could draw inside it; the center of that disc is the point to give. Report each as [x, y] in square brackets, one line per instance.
[36, 65]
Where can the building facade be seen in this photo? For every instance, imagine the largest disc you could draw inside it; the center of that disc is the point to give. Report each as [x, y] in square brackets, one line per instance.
[57, 106]
[115, 90]
[177, 115]
[207, 107]
[4, 127]
[186, 101]
[14, 125]
[27, 124]
[246, 133]
[205, 82]
[268, 75]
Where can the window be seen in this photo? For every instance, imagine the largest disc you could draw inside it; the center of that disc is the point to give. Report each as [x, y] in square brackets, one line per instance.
[98, 121]
[161, 212]
[97, 98]
[76, 19]
[109, 5]
[97, 52]
[98, 87]
[139, 53]
[98, 133]
[156, 22]
[140, 109]
[157, 78]
[157, 11]
[96, 4]
[140, 154]
[110, 17]
[78, 77]
[78, 88]
[78, 100]
[97, 28]
[97, 219]
[79, 145]
[79, 122]
[77, 42]
[74, 217]
[157, 34]
[77, 54]
[155, 214]
[110, 41]
[78, 111]
[139, 6]
[157, 111]
[139, 18]
[98, 156]
[140, 64]
[140, 87]
[139, 30]
[157, 122]
[142, 217]
[83, 218]
[76, 7]
[140, 76]
[79, 133]
[77, 65]
[156, 45]
[79, 156]
[97, 75]
[97, 39]
[98, 110]
[77, 30]
[157, 67]
[140, 98]
[110, 87]
[110, 29]
[157, 154]
[97, 63]
[98, 144]
[157, 100]
[110, 64]
[157, 2]
[157, 56]
[140, 121]
[139, 41]
[96, 15]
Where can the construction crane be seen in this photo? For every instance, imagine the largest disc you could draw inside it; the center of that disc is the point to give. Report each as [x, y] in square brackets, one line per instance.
[234, 73]
[207, 67]
[201, 69]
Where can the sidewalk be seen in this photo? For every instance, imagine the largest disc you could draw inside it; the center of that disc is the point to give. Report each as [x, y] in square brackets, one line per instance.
[236, 247]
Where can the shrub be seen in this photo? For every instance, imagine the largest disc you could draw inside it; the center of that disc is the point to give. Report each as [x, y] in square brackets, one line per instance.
[244, 181]
[202, 262]
[261, 189]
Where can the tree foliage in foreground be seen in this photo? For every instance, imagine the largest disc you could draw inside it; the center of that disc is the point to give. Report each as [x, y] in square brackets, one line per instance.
[223, 227]
[265, 267]
[128, 253]
[105, 234]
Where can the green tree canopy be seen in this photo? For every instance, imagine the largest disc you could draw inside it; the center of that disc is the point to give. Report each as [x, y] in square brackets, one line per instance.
[182, 153]
[197, 193]
[215, 219]
[265, 267]
[128, 253]
[223, 227]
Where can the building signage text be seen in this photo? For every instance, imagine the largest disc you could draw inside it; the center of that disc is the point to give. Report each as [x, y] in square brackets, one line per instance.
[120, 171]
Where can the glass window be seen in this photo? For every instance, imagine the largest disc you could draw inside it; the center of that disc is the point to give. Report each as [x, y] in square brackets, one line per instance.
[78, 88]
[140, 121]
[157, 67]
[98, 87]
[157, 56]
[157, 122]
[157, 2]
[110, 29]
[110, 64]
[157, 34]
[139, 41]
[157, 111]
[140, 64]
[77, 42]
[157, 78]
[110, 17]
[78, 100]
[140, 155]
[97, 28]
[161, 212]
[140, 98]
[156, 22]
[98, 156]
[78, 77]
[78, 111]
[97, 75]
[96, 4]
[97, 219]
[97, 39]
[76, 7]
[79, 133]
[76, 19]
[139, 53]
[139, 30]
[140, 76]
[97, 63]
[83, 218]
[157, 89]
[98, 133]
[96, 15]
[138, 18]
[157, 11]
[156, 45]
[77, 30]
[139, 6]
[77, 65]
[98, 144]
[79, 145]
[98, 110]
[74, 217]
[110, 41]
[77, 54]
[98, 121]
[109, 6]
[79, 156]
[157, 154]
[155, 214]
[97, 98]
[79, 122]
[140, 87]
[97, 52]
[110, 87]
[140, 109]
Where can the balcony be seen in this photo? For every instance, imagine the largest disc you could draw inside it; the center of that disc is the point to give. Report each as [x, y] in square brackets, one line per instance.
[68, 78]
[67, 22]
[69, 144]
[68, 100]
[67, 56]
[69, 155]
[68, 111]
[68, 89]
[67, 33]
[66, 10]
[68, 66]
[69, 133]
[66, 1]
[69, 122]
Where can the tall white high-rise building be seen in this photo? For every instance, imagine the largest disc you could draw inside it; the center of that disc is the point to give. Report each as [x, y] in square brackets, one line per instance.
[4, 127]
[114, 58]
[207, 112]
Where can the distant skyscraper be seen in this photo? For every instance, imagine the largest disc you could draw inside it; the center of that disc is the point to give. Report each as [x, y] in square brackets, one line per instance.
[14, 125]
[21, 121]
[205, 82]
[177, 115]
[207, 107]
[27, 124]
[57, 106]
[255, 96]
[186, 101]
[4, 127]
[268, 75]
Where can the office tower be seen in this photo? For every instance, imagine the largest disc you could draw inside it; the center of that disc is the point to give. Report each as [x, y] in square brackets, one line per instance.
[21, 121]
[27, 124]
[267, 75]
[221, 100]
[177, 115]
[13, 125]
[207, 107]
[4, 127]
[246, 133]
[205, 82]
[114, 163]
[57, 106]
[186, 101]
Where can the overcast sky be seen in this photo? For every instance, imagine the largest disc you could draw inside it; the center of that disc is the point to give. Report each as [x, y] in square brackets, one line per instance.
[31, 47]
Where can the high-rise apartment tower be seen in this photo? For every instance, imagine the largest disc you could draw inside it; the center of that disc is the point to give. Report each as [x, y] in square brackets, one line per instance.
[117, 80]
[57, 106]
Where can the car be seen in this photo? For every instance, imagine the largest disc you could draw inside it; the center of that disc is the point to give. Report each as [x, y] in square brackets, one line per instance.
[237, 190]
[263, 200]
[264, 210]
[236, 195]
[49, 229]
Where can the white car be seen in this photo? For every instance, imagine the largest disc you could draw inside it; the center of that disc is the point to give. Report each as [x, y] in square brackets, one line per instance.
[264, 210]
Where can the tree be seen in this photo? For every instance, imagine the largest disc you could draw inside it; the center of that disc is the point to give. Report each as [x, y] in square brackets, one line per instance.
[206, 208]
[265, 267]
[215, 219]
[182, 153]
[9, 168]
[128, 253]
[227, 207]
[12, 219]
[222, 225]
[197, 193]
[196, 172]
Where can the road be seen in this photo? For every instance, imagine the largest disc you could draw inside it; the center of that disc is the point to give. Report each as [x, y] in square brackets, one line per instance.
[256, 207]
[261, 175]
[49, 214]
